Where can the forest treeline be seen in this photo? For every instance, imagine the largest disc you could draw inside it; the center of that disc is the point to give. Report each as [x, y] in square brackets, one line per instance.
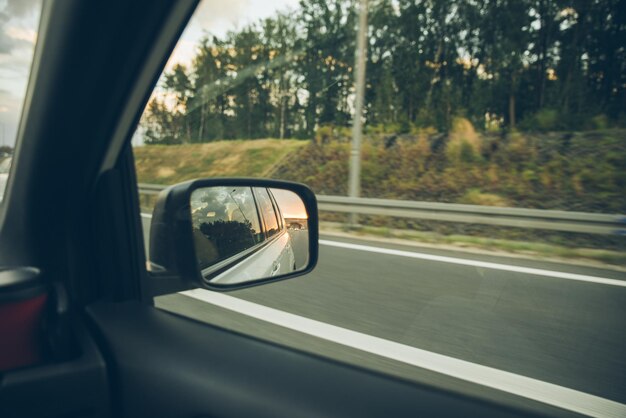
[501, 64]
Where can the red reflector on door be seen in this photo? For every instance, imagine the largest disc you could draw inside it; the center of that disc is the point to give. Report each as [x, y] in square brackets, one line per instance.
[20, 332]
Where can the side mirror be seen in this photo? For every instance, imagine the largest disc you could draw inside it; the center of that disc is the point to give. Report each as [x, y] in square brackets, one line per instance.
[225, 234]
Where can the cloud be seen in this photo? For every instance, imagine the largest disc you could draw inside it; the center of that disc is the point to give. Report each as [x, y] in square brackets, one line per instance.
[10, 109]
[22, 34]
[6, 42]
[218, 17]
[211, 13]
[20, 8]
[183, 54]
[18, 25]
[14, 12]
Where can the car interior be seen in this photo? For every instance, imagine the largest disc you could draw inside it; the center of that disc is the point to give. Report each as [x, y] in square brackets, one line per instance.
[73, 256]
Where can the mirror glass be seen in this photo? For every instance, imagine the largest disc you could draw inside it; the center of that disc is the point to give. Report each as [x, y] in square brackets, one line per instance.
[244, 234]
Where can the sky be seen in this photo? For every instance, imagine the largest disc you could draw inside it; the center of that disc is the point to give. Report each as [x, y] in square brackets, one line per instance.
[290, 204]
[217, 17]
[18, 33]
[19, 20]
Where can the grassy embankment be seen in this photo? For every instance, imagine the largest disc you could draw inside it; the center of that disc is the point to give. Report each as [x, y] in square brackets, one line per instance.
[170, 164]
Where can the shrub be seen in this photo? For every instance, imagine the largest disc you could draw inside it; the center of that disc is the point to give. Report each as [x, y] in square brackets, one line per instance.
[343, 133]
[324, 134]
[467, 154]
[464, 144]
[405, 125]
[543, 120]
[377, 129]
[530, 175]
[476, 197]
[418, 130]
[600, 121]
[383, 128]
[547, 119]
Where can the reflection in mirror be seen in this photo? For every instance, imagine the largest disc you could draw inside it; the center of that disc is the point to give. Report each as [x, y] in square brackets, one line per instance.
[245, 234]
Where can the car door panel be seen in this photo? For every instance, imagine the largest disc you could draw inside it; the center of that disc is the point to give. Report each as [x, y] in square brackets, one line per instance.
[166, 365]
[78, 387]
[274, 258]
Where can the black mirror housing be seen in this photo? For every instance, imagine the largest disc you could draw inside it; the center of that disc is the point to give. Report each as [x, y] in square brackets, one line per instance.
[173, 262]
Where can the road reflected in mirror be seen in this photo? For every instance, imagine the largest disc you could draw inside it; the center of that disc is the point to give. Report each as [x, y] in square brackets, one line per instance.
[247, 234]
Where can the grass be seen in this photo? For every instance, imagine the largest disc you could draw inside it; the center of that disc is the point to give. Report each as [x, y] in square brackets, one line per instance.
[170, 164]
[525, 248]
[261, 158]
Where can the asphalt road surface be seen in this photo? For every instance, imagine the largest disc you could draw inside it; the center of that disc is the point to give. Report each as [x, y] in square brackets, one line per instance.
[567, 332]
[300, 243]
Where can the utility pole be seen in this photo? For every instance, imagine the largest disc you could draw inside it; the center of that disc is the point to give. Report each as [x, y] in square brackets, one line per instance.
[354, 185]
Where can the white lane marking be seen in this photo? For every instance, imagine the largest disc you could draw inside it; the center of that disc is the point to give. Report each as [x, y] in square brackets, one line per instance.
[475, 263]
[526, 387]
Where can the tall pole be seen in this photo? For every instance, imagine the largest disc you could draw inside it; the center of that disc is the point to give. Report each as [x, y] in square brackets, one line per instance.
[354, 185]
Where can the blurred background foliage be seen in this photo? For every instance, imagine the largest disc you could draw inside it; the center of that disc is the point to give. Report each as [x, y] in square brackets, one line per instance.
[530, 65]
[490, 102]
[581, 171]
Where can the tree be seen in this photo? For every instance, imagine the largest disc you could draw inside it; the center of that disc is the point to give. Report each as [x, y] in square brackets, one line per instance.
[522, 61]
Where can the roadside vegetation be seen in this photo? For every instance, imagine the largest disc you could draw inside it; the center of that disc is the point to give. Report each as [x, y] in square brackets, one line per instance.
[172, 164]
[578, 171]
[519, 103]
[582, 171]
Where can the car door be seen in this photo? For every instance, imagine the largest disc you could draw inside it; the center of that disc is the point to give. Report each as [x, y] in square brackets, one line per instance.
[252, 248]
[288, 257]
[72, 215]
[280, 250]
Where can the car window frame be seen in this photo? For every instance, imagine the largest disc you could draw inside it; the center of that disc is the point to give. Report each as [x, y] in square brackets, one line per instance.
[258, 215]
[268, 236]
[277, 211]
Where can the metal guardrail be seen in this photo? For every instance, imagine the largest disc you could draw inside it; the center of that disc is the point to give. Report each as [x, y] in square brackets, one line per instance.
[150, 188]
[555, 220]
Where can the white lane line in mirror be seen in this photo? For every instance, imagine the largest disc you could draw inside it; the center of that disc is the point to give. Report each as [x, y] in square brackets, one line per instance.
[526, 387]
[476, 263]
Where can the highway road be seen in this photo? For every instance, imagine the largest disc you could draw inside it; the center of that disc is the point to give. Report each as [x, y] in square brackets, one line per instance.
[558, 323]
[300, 245]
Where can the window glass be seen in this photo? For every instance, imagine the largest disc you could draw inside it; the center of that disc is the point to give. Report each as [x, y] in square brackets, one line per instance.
[18, 34]
[246, 210]
[225, 223]
[480, 144]
[5, 166]
[279, 215]
[267, 212]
